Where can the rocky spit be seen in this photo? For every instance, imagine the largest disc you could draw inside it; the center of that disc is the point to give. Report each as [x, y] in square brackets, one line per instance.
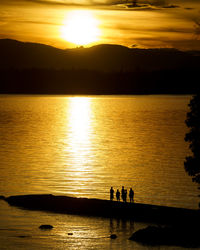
[175, 226]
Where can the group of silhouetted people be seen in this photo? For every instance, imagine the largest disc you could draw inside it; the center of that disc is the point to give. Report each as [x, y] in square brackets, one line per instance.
[123, 194]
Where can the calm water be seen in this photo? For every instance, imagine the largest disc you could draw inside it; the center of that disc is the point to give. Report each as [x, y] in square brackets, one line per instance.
[80, 146]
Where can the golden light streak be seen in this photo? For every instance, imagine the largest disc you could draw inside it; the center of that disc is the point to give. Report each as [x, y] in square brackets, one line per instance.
[79, 129]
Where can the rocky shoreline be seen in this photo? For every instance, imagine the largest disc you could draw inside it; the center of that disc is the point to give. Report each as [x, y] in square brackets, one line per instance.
[105, 208]
[175, 226]
[178, 235]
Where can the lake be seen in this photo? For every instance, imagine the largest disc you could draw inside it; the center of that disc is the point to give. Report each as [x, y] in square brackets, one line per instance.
[81, 146]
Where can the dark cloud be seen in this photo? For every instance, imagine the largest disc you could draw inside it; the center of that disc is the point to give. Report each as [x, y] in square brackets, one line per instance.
[158, 2]
[160, 42]
[189, 44]
[171, 6]
[188, 8]
[162, 4]
[118, 4]
[144, 4]
[162, 29]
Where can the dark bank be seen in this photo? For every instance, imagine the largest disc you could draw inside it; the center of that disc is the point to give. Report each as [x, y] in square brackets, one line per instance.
[105, 208]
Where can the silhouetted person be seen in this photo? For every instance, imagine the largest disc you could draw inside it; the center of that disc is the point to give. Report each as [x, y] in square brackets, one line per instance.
[118, 195]
[111, 193]
[131, 194]
[123, 193]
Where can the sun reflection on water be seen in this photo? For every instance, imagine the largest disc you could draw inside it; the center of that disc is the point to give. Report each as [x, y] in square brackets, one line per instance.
[79, 139]
[79, 120]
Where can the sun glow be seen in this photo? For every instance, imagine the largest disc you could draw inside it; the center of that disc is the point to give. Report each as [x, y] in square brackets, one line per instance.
[80, 27]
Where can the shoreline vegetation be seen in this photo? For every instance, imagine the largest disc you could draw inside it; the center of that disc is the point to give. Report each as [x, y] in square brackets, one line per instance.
[175, 226]
[30, 68]
[87, 82]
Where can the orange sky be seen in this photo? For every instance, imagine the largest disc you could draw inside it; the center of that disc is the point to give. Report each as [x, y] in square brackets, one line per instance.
[153, 23]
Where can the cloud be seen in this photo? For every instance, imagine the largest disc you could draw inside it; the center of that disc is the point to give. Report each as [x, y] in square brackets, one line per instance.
[143, 4]
[46, 2]
[160, 42]
[36, 22]
[158, 2]
[158, 29]
[118, 4]
[188, 8]
[189, 44]
[172, 6]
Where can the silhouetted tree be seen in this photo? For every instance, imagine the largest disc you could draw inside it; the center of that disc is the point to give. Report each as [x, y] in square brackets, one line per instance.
[192, 163]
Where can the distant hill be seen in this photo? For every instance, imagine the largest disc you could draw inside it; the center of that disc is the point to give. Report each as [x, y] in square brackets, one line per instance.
[103, 69]
[17, 54]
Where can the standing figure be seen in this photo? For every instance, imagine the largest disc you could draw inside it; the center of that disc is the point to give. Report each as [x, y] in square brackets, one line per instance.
[123, 193]
[111, 193]
[131, 194]
[118, 195]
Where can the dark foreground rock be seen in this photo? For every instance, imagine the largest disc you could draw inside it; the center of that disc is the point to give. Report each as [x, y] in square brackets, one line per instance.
[174, 235]
[106, 208]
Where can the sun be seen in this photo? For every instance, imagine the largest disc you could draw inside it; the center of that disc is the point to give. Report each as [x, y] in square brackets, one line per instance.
[80, 27]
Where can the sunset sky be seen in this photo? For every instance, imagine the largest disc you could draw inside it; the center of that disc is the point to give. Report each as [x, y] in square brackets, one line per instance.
[71, 23]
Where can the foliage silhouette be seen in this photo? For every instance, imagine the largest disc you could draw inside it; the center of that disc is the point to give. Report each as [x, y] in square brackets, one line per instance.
[80, 81]
[192, 163]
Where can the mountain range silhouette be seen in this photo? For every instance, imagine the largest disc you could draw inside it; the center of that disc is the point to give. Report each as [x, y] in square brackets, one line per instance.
[113, 69]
